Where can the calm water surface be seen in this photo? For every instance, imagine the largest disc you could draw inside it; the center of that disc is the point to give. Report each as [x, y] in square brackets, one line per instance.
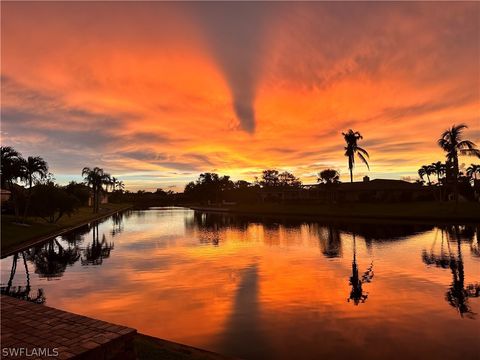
[259, 288]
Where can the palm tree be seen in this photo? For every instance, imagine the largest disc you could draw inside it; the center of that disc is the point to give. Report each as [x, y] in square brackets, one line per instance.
[10, 165]
[426, 170]
[439, 169]
[96, 178]
[11, 170]
[32, 166]
[120, 185]
[452, 143]
[473, 170]
[114, 183]
[351, 138]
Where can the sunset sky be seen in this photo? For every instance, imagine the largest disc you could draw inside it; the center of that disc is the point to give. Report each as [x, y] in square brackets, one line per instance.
[156, 93]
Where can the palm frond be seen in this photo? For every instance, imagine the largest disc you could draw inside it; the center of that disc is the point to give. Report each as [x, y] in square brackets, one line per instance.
[470, 152]
[363, 160]
[363, 151]
[466, 144]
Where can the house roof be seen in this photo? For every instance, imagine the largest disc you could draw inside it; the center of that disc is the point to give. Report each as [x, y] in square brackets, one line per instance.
[379, 184]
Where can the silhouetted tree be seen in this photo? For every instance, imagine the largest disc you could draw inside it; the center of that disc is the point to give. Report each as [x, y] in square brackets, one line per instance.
[439, 169]
[79, 190]
[273, 178]
[452, 143]
[50, 202]
[473, 170]
[329, 176]
[209, 186]
[351, 139]
[96, 178]
[33, 166]
[11, 171]
[426, 170]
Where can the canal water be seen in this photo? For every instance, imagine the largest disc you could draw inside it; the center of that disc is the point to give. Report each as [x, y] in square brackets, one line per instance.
[266, 288]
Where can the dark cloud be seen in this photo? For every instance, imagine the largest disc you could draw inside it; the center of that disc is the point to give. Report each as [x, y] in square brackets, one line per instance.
[236, 34]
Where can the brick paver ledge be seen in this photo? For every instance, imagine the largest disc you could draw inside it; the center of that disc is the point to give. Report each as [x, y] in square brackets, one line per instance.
[31, 331]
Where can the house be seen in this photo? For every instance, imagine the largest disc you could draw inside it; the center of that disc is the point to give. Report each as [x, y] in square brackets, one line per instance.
[5, 195]
[103, 198]
[378, 190]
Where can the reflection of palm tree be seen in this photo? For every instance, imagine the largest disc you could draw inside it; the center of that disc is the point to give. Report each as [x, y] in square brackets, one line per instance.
[51, 259]
[21, 292]
[98, 250]
[458, 294]
[117, 220]
[357, 294]
[430, 258]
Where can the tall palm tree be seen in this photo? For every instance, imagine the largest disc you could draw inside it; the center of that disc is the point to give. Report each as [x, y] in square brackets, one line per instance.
[453, 144]
[351, 138]
[32, 166]
[473, 170]
[439, 169]
[96, 178]
[426, 170]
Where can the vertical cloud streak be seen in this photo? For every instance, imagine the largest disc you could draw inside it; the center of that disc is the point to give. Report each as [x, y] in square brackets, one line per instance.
[237, 37]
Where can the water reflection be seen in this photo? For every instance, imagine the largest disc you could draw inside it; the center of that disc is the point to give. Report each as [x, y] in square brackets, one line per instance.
[357, 295]
[450, 256]
[98, 250]
[261, 287]
[22, 292]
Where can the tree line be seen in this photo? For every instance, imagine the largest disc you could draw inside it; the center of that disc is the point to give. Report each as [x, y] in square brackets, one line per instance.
[33, 191]
[451, 141]
[39, 186]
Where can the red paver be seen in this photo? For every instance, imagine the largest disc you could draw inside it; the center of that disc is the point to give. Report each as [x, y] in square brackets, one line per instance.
[37, 328]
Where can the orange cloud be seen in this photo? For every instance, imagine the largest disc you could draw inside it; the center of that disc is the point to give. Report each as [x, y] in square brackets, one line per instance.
[158, 92]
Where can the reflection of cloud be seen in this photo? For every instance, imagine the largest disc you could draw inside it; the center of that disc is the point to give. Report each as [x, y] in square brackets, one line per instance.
[243, 335]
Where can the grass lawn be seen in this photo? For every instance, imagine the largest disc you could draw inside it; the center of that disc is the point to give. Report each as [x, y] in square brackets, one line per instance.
[151, 348]
[14, 234]
[437, 211]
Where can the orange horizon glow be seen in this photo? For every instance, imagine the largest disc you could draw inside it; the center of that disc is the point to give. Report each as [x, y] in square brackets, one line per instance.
[156, 93]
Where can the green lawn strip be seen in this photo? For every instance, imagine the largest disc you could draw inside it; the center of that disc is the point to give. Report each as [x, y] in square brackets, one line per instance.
[151, 348]
[409, 211]
[14, 235]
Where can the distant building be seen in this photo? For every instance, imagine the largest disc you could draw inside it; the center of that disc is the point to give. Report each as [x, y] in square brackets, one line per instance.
[103, 198]
[378, 190]
[5, 195]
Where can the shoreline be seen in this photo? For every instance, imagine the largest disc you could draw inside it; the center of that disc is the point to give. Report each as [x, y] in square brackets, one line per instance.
[43, 238]
[312, 212]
